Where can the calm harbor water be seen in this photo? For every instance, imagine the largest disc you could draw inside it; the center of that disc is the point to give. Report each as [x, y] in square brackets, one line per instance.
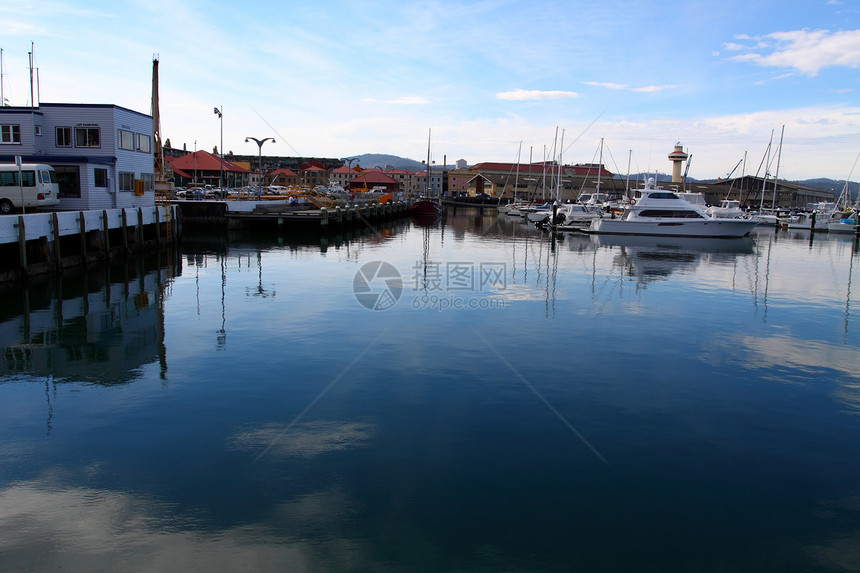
[466, 394]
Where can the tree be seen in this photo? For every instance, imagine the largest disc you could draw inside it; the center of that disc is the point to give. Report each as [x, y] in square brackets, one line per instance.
[167, 143]
[215, 150]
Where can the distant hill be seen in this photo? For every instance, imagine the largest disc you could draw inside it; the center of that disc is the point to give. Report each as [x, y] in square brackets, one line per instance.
[382, 160]
[822, 184]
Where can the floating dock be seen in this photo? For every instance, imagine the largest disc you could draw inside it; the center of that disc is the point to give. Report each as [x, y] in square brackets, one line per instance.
[262, 214]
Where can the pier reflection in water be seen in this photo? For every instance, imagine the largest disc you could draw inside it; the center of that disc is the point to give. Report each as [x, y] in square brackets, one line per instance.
[99, 327]
[631, 404]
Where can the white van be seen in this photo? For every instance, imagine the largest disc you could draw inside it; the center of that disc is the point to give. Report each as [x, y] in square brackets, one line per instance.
[40, 188]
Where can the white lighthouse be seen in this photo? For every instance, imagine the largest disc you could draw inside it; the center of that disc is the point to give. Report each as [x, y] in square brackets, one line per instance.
[677, 157]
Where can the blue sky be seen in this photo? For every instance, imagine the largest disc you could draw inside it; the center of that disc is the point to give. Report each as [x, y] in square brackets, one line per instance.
[340, 78]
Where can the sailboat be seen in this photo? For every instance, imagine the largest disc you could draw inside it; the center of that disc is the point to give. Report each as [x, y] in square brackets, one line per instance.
[846, 219]
[427, 204]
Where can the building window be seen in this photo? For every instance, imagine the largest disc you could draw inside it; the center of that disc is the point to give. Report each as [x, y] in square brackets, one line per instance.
[101, 177]
[148, 179]
[143, 143]
[64, 137]
[69, 180]
[10, 133]
[126, 181]
[125, 140]
[38, 129]
[87, 137]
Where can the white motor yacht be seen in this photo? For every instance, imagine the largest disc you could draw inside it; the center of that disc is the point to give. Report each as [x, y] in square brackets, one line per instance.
[661, 212]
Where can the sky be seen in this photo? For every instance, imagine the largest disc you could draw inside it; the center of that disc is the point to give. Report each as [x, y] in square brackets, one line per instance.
[491, 80]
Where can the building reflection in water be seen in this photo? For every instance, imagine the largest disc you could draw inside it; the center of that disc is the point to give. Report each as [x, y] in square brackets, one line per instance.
[98, 327]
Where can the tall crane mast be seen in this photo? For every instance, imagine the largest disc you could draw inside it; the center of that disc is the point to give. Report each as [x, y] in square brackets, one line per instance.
[161, 182]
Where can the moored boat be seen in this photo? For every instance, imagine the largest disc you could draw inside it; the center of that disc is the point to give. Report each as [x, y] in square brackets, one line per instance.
[661, 212]
[574, 216]
[728, 209]
[426, 206]
[815, 220]
[844, 222]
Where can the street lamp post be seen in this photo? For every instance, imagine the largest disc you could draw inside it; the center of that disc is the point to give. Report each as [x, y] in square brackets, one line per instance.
[260, 143]
[220, 114]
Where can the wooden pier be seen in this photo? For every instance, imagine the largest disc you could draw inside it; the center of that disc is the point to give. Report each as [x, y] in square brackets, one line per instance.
[46, 243]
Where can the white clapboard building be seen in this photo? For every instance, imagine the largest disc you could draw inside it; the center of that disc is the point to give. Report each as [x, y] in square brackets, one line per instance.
[102, 153]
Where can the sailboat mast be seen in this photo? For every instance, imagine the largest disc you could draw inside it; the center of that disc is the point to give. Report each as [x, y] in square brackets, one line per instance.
[600, 165]
[560, 166]
[766, 167]
[517, 174]
[845, 196]
[687, 171]
[427, 179]
[552, 182]
[778, 158]
[627, 184]
[543, 172]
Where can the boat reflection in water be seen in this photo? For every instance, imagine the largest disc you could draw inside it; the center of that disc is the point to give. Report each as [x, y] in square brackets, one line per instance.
[656, 258]
[426, 219]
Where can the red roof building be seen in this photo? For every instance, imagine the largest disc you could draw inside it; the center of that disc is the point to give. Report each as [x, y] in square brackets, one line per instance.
[313, 174]
[374, 178]
[284, 177]
[203, 168]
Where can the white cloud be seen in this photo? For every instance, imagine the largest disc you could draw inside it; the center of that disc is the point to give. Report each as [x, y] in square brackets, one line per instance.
[642, 89]
[535, 95]
[608, 85]
[403, 100]
[805, 51]
[653, 89]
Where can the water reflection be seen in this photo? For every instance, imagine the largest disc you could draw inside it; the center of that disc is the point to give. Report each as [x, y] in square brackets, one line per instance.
[712, 416]
[98, 327]
[305, 439]
[86, 529]
[652, 259]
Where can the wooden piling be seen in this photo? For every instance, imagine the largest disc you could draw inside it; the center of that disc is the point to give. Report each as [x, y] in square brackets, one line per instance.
[106, 228]
[22, 243]
[55, 228]
[82, 221]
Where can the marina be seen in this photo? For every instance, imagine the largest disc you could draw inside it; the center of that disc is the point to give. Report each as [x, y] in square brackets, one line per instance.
[417, 287]
[512, 400]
